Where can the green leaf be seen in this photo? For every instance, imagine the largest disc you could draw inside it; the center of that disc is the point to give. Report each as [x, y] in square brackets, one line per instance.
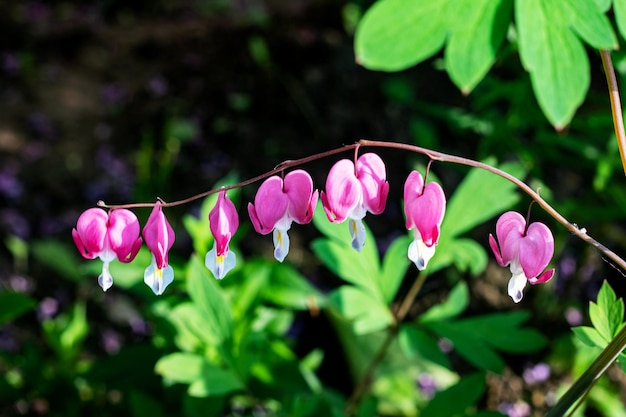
[288, 288]
[457, 398]
[415, 342]
[13, 305]
[603, 5]
[180, 367]
[554, 56]
[479, 27]
[397, 34]
[589, 336]
[368, 314]
[471, 346]
[612, 310]
[465, 254]
[476, 338]
[588, 22]
[207, 295]
[58, 257]
[203, 377]
[214, 381]
[395, 265]
[192, 331]
[619, 9]
[455, 304]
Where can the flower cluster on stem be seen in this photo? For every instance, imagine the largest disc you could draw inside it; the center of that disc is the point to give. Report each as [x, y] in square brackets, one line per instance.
[352, 190]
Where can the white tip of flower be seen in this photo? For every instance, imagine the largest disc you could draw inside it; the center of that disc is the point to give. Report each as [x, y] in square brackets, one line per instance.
[357, 231]
[517, 283]
[105, 280]
[419, 253]
[281, 244]
[158, 279]
[220, 265]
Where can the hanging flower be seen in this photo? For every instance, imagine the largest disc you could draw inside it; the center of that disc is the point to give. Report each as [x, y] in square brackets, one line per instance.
[278, 203]
[108, 236]
[424, 208]
[224, 222]
[353, 191]
[526, 250]
[159, 237]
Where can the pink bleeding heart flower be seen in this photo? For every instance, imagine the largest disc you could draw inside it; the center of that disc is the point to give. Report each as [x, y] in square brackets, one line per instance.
[278, 203]
[527, 251]
[424, 208]
[108, 236]
[159, 237]
[224, 222]
[352, 191]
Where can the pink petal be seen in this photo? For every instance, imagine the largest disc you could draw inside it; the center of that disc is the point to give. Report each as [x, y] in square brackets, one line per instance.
[536, 249]
[343, 191]
[496, 250]
[299, 189]
[545, 277]
[509, 230]
[224, 222]
[159, 236]
[270, 205]
[370, 170]
[90, 232]
[427, 211]
[123, 234]
[412, 190]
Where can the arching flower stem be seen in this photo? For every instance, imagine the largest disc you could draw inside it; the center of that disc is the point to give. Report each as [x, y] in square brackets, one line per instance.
[581, 233]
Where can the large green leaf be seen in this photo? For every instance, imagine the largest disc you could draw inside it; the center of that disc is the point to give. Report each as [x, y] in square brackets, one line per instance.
[555, 56]
[479, 27]
[396, 34]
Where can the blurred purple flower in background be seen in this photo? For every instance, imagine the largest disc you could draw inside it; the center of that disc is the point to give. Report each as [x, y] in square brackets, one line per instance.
[537, 374]
[518, 409]
[427, 385]
[158, 86]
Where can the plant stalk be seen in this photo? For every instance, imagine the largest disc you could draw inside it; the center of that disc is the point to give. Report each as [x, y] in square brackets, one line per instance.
[616, 106]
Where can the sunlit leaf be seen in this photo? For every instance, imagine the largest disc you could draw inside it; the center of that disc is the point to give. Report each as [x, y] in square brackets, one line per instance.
[396, 34]
[478, 29]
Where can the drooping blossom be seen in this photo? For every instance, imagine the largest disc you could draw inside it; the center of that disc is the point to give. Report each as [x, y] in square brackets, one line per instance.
[224, 222]
[159, 237]
[108, 236]
[424, 208]
[526, 250]
[352, 191]
[278, 203]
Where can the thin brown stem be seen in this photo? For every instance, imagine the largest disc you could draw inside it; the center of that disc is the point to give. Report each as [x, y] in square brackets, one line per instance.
[442, 157]
[616, 106]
